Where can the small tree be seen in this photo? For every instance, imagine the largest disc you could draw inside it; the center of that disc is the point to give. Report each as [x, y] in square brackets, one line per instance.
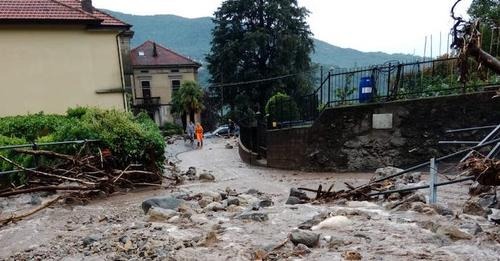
[282, 107]
[188, 99]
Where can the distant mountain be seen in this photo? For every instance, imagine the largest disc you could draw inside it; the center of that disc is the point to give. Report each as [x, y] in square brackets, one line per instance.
[191, 37]
[326, 53]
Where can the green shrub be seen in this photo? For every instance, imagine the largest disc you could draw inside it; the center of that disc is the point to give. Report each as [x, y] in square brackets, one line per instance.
[16, 178]
[282, 107]
[30, 127]
[76, 112]
[169, 129]
[130, 139]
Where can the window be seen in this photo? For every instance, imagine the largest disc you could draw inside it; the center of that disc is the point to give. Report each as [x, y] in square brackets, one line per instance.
[176, 85]
[146, 89]
[144, 71]
[174, 70]
[141, 53]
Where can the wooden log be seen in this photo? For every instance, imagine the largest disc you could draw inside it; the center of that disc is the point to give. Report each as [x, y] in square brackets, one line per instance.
[46, 174]
[45, 153]
[121, 174]
[318, 192]
[43, 188]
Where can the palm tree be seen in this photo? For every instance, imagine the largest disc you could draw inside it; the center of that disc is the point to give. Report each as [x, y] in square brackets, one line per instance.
[188, 100]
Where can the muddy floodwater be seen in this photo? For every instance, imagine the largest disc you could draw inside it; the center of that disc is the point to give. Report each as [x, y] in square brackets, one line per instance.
[207, 227]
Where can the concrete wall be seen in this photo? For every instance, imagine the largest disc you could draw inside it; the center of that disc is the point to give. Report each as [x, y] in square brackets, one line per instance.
[51, 69]
[344, 138]
[286, 147]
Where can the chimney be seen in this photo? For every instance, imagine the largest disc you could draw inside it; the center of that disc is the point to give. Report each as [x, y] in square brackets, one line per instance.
[87, 6]
[155, 52]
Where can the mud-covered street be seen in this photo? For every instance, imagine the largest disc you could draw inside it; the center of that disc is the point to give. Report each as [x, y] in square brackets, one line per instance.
[243, 215]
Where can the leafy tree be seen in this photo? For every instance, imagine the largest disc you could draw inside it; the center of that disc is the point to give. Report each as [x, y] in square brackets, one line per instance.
[257, 40]
[282, 107]
[188, 99]
[488, 12]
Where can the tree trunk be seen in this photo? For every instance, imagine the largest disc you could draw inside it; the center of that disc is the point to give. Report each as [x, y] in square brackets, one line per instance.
[485, 58]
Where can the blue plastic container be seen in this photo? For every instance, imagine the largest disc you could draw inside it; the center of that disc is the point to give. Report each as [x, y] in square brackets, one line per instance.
[366, 85]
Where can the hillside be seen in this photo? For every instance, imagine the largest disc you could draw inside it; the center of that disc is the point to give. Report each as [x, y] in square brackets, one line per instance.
[191, 37]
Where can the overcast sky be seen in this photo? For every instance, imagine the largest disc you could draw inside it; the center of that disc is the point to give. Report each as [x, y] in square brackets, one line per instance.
[392, 26]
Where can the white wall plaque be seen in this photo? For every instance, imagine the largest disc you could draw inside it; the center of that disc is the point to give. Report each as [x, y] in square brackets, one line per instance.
[382, 121]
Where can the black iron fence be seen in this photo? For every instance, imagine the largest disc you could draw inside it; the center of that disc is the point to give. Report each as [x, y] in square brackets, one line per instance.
[380, 83]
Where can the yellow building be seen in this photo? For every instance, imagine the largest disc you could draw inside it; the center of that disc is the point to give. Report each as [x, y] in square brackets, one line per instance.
[61, 53]
[158, 73]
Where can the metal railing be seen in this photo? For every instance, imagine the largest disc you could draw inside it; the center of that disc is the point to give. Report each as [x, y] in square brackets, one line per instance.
[378, 84]
[37, 146]
[147, 102]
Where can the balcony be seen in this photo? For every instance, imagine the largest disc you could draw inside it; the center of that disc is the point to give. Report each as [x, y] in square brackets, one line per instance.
[147, 102]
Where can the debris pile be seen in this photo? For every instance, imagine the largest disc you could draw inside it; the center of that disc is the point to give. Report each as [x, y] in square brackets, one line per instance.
[486, 171]
[381, 182]
[86, 174]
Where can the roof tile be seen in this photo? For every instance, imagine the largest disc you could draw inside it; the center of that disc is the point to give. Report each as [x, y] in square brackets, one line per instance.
[107, 19]
[54, 10]
[165, 57]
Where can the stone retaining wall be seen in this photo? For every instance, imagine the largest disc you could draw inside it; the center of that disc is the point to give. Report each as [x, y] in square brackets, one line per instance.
[362, 138]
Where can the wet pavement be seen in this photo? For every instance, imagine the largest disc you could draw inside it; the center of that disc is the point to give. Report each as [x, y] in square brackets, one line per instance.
[116, 228]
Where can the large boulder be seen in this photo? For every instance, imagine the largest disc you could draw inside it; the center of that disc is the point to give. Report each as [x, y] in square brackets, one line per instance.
[385, 172]
[307, 238]
[406, 203]
[332, 223]
[233, 201]
[313, 221]
[453, 233]
[191, 172]
[214, 195]
[215, 206]
[255, 216]
[206, 177]
[164, 202]
[294, 192]
[294, 201]
[160, 214]
[88, 240]
[472, 207]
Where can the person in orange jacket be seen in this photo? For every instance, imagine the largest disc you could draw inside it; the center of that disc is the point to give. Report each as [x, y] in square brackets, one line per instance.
[199, 134]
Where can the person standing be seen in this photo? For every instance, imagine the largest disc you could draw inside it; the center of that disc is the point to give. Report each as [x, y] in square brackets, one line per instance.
[190, 131]
[231, 128]
[199, 135]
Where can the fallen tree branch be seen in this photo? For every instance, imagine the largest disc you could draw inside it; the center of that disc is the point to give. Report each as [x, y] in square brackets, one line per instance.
[19, 217]
[43, 188]
[45, 153]
[121, 174]
[44, 173]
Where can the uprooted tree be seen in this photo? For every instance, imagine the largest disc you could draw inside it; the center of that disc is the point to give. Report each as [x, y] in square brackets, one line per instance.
[467, 41]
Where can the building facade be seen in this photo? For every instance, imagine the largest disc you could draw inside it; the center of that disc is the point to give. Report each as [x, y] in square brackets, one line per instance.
[61, 53]
[158, 73]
